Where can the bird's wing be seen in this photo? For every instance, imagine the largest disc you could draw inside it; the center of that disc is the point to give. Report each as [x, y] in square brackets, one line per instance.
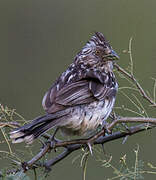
[81, 92]
[77, 93]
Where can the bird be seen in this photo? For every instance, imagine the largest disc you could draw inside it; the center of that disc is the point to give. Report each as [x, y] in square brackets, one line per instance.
[82, 97]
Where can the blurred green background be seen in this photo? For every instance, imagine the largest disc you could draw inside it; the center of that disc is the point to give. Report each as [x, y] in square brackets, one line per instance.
[39, 39]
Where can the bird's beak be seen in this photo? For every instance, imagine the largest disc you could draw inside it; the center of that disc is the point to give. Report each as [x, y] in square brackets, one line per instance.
[114, 55]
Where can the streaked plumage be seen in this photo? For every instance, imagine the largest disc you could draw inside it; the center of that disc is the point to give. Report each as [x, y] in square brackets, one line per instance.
[83, 96]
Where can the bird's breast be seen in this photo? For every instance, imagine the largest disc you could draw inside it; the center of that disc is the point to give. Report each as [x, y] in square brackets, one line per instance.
[86, 118]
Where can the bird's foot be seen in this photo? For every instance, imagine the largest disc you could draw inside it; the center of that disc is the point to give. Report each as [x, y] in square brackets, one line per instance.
[113, 116]
[106, 129]
[53, 140]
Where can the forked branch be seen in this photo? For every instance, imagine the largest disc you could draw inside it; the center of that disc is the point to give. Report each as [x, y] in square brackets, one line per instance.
[98, 138]
[142, 92]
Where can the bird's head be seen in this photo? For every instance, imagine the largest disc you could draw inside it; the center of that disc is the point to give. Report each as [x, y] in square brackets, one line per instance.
[99, 48]
[103, 50]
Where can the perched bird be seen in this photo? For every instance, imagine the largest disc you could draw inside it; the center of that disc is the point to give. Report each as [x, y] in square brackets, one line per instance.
[82, 98]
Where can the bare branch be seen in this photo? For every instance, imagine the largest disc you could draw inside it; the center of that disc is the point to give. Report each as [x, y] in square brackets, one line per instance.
[142, 92]
[9, 124]
[98, 138]
[131, 120]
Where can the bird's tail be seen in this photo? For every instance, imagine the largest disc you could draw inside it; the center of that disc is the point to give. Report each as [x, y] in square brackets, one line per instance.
[38, 126]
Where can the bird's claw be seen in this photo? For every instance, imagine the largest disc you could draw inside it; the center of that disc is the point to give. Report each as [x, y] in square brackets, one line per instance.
[106, 129]
[53, 142]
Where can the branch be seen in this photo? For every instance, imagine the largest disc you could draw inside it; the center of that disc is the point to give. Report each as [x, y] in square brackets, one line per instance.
[98, 138]
[130, 76]
[9, 124]
[131, 120]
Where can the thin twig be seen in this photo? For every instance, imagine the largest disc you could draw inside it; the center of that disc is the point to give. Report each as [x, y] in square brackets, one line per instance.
[130, 54]
[142, 92]
[131, 119]
[9, 124]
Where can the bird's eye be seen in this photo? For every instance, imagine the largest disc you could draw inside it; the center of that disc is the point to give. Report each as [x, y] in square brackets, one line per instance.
[97, 52]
